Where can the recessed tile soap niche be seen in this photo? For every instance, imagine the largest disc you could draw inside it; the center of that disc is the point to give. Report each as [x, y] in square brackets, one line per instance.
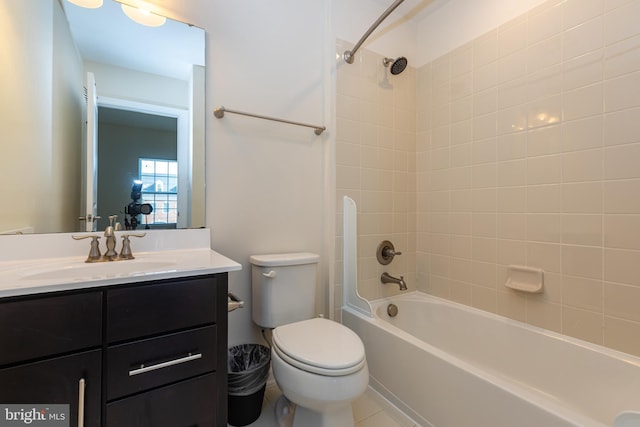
[525, 279]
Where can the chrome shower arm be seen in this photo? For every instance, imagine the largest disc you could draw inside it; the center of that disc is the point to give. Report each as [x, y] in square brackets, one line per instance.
[348, 54]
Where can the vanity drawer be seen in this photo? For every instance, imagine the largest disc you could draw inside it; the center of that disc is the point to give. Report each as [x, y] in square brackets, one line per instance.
[40, 327]
[154, 362]
[188, 403]
[158, 308]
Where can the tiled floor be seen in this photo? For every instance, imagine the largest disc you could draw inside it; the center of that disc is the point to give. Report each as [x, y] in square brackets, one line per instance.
[370, 410]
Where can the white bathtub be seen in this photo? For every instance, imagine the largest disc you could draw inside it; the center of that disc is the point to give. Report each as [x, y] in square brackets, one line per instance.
[449, 365]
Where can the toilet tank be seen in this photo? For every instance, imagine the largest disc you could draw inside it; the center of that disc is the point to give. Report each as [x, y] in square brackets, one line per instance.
[283, 287]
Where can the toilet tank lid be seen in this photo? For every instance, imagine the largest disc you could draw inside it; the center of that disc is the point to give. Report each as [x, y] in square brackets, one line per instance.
[276, 260]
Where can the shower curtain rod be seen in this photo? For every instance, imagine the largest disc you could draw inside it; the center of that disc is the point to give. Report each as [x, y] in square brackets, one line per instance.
[219, 113]
[348, 54]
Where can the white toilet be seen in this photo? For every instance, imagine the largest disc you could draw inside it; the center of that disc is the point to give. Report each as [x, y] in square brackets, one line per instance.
[318, 364]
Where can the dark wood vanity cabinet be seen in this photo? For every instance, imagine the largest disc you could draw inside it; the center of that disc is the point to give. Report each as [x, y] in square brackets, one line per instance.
[150, 354]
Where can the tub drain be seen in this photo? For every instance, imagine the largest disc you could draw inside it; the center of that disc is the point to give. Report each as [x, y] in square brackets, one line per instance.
[392, 310]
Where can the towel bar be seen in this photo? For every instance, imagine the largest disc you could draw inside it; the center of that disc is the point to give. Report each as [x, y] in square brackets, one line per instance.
[219, 113]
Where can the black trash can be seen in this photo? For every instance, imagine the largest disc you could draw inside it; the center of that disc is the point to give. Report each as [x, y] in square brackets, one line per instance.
[248, 369]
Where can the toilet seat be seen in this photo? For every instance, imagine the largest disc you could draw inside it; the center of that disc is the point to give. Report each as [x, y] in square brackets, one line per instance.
[320, 346]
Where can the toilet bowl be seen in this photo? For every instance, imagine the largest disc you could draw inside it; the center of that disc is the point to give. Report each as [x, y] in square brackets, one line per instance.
[320, 366]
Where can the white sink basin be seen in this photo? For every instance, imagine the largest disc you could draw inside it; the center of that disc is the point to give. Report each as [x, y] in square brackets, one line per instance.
[88, 271]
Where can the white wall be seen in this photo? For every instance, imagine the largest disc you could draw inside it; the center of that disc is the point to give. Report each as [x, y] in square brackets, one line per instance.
[270, 186]
[456, 22]
[24, 141]
[396, 36]
[437, 27]
[265, 180]
[197, 146]
[136, 86]
[36, 83]
[63, 193]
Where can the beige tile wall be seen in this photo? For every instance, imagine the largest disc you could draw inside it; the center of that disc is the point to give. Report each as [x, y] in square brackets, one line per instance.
[528, 152]
[525, 150]
[375, 156]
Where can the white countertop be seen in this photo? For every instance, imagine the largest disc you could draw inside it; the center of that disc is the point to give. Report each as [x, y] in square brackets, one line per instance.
[25, 275]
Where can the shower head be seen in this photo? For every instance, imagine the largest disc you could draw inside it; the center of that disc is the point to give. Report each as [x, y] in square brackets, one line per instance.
[397, 65]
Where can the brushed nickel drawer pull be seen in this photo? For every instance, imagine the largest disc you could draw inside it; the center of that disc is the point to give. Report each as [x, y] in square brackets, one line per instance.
[142, 369]
[81, 390]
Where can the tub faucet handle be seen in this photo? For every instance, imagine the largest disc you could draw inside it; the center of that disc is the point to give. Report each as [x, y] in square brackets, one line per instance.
[386, 252]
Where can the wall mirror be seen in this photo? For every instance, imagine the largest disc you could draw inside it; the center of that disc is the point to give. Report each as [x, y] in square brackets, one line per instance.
[59, 159]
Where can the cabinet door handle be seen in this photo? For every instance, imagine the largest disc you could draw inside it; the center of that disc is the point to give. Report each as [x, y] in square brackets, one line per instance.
[81, 389]
[142, 369]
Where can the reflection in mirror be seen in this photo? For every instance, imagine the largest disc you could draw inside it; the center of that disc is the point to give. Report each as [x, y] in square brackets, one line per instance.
[149, 84]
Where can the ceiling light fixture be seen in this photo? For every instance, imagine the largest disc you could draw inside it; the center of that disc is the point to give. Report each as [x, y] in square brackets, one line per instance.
[90, 4]
[143, 16]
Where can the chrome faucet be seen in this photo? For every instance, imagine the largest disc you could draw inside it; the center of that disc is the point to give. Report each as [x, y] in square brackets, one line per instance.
[110, 234]
[387, 278]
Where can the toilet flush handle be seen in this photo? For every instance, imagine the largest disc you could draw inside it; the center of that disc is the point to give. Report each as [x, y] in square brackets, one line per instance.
[271, 274]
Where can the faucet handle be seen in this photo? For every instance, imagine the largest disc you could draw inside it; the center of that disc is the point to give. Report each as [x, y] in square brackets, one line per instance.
[83, 236]
[89, 217]
[126, 253]
[386, 252]
[127, 235]
[94, 252]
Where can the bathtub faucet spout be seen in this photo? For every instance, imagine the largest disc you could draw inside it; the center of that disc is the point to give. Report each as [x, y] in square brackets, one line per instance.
[387, 278]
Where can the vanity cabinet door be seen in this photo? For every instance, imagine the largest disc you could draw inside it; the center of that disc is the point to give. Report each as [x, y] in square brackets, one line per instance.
[139, 311]
[189, 403]
[57, 381]
[46, 326]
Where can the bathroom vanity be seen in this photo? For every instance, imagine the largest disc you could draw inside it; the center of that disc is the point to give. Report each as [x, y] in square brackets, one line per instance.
[145, 345]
